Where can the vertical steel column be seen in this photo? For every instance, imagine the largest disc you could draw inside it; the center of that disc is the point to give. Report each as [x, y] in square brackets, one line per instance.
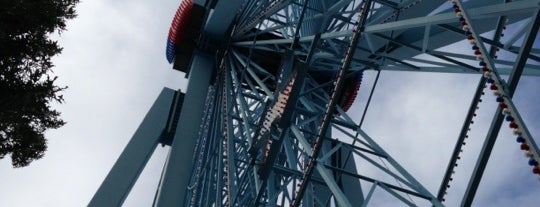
[118, 183]
[177, 172]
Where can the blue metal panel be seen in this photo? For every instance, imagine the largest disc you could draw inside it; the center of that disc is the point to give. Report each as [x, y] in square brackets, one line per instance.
[178, 170]
[351, 186]
[116, 186]
[221, 18]
[200, 2]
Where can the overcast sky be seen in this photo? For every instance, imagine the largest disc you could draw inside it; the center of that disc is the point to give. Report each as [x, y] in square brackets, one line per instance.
[114, 64]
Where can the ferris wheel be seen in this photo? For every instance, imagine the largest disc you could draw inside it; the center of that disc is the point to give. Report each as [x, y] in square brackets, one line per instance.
[280, 92]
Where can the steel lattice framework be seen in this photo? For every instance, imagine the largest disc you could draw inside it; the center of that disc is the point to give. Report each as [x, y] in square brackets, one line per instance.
[275, 129]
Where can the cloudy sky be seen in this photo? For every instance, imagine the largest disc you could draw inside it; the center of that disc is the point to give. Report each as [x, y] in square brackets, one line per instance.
[114, 64]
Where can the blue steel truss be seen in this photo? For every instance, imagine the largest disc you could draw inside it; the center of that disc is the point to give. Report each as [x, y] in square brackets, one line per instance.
[296, 163]
[273, 131]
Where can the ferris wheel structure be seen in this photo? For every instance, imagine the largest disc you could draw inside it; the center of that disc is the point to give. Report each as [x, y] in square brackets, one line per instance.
[267, 121]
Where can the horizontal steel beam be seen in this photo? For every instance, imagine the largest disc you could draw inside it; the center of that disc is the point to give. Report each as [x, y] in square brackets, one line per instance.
[450, 17]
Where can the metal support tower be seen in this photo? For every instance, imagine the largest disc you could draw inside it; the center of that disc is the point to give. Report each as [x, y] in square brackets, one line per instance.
[264, 120]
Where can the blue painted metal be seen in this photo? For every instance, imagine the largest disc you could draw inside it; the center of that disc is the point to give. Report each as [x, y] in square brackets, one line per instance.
[470, 115]
[330, 109]
[510, 88]
[178, 170]
[258, 46]
[221, 18]
[340, 197]
[200, 2]
[123, 175]
[461, 140]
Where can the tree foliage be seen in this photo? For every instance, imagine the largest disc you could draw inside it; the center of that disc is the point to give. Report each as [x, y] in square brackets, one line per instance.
[27, 88]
